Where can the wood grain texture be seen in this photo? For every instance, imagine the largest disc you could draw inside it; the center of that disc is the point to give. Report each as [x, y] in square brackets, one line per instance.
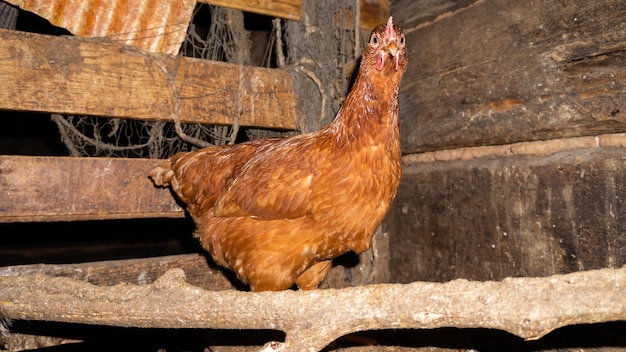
[527, 307]
[70, 75]
[373, 13]
[288, 9]
[524, 215]
[66, 188]
[139, 271]
[499, 72]
[411, 13]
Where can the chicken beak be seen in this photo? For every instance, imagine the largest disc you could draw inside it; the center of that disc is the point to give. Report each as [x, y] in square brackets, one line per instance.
[392, 48]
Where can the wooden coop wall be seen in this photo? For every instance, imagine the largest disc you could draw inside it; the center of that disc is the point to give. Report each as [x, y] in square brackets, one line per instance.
[512, 123]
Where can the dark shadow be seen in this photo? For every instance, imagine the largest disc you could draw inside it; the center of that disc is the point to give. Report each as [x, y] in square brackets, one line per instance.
[611, 334]
[228, 274]
[105, 338]
[348, 260]
[85, 241]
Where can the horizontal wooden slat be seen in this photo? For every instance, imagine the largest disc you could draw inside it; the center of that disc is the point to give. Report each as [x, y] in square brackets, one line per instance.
[411, 13]
[522, 215]
[499, 72]
[67, 188]
[289, 9]
[132, 271]
[373, 13]
[70, 75]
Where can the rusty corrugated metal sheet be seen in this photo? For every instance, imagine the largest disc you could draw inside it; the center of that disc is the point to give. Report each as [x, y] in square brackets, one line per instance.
[152, 25]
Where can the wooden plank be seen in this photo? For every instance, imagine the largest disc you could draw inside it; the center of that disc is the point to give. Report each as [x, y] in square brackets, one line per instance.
[373, 13]
[491, 218]
[288, 9]
[70, 75]
[66, 188]
[140, 271]
[411, 13]
[499, 72]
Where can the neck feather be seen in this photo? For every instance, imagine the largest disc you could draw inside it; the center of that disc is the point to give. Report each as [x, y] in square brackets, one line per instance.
[371, 108]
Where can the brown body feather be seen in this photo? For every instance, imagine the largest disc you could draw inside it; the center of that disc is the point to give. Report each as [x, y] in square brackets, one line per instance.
[277, 211]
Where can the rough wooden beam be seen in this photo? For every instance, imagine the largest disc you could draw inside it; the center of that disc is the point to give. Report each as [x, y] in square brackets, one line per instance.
[373, 13]
[526, 307]
[66, 188]
[499, 72]
[410, 13]
[138, 271]
[70, 75]
[536, 209]
[288, 9]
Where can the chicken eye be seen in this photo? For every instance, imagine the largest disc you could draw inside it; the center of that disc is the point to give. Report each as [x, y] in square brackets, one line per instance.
[402, 40]
[374, 40]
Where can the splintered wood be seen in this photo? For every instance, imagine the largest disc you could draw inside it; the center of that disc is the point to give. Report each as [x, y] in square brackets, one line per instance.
[527, 307]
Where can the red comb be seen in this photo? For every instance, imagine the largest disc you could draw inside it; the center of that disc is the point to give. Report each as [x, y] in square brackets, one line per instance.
[389, 32]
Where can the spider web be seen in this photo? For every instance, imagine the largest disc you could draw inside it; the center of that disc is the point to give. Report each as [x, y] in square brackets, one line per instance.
[316, 52]
[112, 137]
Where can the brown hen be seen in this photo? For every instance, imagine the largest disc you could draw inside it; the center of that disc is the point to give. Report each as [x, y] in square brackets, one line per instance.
[277, 211]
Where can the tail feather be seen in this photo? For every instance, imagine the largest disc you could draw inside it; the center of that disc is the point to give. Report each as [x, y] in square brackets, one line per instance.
[5, 323]
[162, 174]
[175, 173]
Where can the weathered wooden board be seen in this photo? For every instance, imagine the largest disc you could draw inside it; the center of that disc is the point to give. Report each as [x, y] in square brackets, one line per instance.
[373, 13]
[490, 218]
[289, 9]
[498, 72]
[71, 75]
[139, 271]
[66, 188]
[415, 12]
